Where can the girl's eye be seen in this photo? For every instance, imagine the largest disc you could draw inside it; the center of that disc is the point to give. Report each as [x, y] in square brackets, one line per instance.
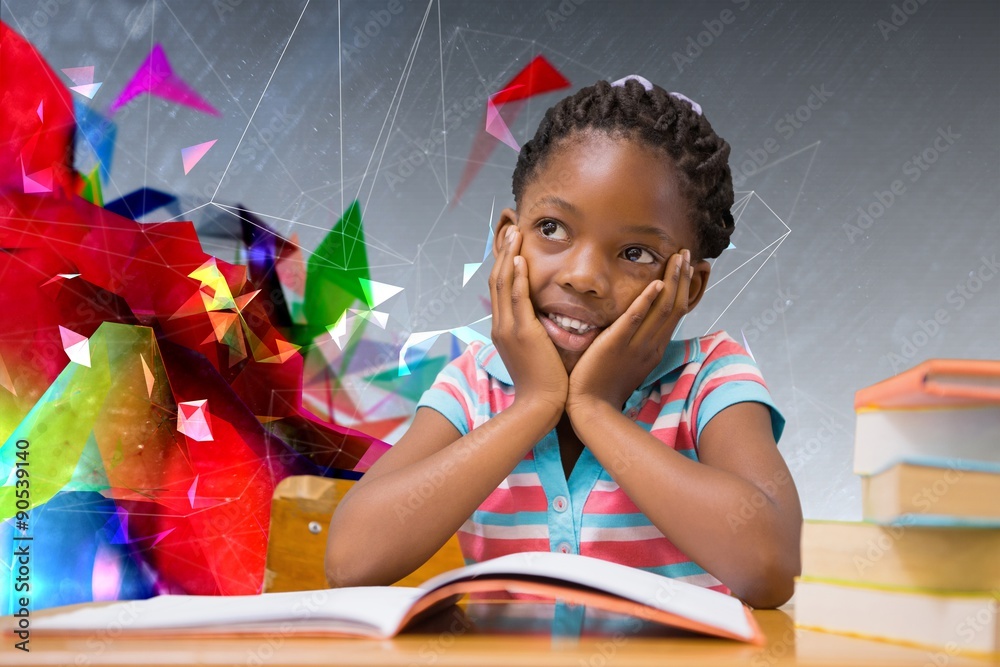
[552, 229]
[638, 255]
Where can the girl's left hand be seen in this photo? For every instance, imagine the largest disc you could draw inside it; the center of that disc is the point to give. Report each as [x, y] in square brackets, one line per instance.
[626, 352]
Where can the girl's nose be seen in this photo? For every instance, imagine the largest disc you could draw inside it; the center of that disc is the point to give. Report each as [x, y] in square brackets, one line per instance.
[585, 271]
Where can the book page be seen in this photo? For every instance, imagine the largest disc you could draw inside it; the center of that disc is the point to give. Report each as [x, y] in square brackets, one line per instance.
[670, 595]
[364, 611]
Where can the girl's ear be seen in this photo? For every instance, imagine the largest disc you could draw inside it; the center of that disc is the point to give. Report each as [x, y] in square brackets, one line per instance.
[699, 282]
[508, 216]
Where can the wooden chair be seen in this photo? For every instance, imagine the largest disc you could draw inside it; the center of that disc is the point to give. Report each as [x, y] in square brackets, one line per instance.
[300, 522]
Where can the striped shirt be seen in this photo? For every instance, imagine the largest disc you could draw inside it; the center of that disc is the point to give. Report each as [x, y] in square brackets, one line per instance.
[537, 509]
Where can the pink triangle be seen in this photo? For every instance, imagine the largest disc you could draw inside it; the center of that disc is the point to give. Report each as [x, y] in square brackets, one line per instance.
[192, 154]
[40, 181]
[155, 76]
[87, 90]
[40, 110]
[496, 126]
[70, 338]
[81, 76]
[192, 492]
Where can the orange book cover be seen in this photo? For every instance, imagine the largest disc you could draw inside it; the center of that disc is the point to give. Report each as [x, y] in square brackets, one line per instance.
[935, 383]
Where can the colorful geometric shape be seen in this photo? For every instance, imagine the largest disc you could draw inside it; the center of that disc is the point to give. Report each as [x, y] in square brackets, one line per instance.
[38, 182]
[5, 380]
[90, 187]
[495, 124]
[334, 274]
[192, 154]
[80, 76]
[77, 347]
[88, 90]
[140, 202]
[99, 135]
[147, 376]
[470, 270]
[156, 77]
[537, 77]
[194, 421]
[419, 343]
[377, 293]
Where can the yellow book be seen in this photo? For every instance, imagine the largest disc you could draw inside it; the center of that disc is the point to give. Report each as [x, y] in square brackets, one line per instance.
[928, 557]
[909, 493]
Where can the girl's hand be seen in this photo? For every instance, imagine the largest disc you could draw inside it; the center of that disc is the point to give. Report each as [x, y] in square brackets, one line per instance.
[626, 352]
[527, 351]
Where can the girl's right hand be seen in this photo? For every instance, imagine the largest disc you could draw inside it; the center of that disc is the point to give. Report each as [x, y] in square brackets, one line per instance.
[527, 351]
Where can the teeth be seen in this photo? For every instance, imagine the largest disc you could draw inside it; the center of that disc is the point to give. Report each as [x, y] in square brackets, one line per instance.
[569, 324]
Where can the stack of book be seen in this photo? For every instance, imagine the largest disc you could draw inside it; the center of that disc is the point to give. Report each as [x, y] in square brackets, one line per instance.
[923, 567]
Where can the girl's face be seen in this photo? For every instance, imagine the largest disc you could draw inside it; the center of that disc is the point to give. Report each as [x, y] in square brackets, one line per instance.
[599, 221]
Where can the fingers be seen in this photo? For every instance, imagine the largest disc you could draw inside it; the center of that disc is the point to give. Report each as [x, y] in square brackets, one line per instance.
[502, 280]
[671, 304]
[520, 295]
[626, 326]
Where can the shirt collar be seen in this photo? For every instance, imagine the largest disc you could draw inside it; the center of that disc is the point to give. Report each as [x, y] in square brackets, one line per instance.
[678, 354]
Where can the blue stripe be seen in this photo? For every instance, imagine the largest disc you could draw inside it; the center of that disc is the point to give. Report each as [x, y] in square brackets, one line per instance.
[685, 569]
[516, 519]
[630, 520]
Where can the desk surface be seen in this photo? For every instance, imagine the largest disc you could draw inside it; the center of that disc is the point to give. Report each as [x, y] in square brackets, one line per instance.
[484, 633]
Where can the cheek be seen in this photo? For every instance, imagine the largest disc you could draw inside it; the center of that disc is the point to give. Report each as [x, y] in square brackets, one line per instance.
[628, 290]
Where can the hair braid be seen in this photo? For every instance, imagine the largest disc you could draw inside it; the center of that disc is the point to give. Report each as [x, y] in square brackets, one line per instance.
[659, 120]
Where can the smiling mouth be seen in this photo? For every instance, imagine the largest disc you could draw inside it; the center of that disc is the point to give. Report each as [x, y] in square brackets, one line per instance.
[569, 324]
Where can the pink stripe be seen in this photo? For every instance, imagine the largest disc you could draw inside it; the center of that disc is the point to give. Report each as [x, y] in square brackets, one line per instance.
[609, 502]
[654, 552]
[482, 548]
[516, 499]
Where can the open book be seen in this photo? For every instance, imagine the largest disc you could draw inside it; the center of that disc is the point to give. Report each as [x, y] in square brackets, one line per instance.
[384, 611]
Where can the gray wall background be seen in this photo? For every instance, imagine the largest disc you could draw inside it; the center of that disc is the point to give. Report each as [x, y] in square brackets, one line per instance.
[909, 95]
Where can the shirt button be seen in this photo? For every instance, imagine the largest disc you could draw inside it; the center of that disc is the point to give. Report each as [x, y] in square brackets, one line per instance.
[632, 412]
[565, 548]
[559, 503]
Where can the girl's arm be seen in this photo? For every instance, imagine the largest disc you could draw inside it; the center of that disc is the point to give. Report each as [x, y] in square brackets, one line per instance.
[735, 511]
[418, 494]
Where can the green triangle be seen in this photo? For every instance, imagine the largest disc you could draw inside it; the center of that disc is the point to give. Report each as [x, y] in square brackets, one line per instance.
[332, 273]
[92, 187]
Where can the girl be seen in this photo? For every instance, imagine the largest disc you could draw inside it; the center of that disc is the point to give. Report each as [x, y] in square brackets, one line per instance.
[583, 427]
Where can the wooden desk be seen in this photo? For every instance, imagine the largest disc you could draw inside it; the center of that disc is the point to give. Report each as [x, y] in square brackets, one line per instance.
[484, 633]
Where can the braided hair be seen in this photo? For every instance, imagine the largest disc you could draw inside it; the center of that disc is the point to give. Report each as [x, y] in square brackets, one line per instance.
[660, 121]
